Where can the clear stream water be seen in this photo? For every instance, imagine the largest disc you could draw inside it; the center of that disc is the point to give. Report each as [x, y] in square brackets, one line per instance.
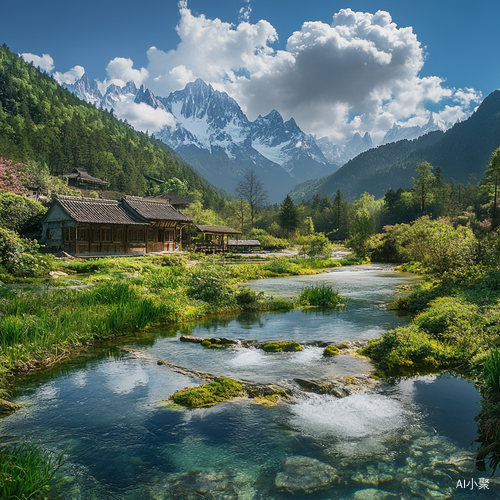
[412, 438]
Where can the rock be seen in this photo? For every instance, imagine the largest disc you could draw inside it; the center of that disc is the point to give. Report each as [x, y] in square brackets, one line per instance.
[372, 477]
[57, 274]
[7, 406]
[189, 338]
[372, 494]
[305, 475]
[464, 462]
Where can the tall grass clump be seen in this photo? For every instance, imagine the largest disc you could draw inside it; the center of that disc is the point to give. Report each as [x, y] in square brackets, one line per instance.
[491, 371]
[279, 265]
[26, 470]
[320, 295]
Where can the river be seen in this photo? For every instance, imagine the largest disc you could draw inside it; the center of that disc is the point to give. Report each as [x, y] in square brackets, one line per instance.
[409, 438]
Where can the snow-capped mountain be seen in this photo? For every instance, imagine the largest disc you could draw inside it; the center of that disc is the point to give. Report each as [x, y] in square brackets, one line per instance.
[397, 132]
[213, 134]
[340, 155]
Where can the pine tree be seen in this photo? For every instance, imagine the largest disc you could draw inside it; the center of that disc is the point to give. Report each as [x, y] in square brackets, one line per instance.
[288, 216]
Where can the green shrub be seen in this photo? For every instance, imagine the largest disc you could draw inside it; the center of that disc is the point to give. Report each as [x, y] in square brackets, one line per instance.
[280, 346]
[320, 295]
[246, 297]
[279, 265]
[21, 214]
[409, 346]
[221, 389]
[20, 257]
[330, 350]
[450, 320]
[210, 285]
[25, 471]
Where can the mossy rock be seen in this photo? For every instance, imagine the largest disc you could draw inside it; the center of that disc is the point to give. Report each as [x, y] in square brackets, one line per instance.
[330, 351]
[221, 389]
[282, 346]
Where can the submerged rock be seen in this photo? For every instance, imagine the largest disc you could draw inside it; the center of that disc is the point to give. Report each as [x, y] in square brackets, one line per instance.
[372, 477]
[7, 406]
[372, 494]
[305, 475]
[213, 485]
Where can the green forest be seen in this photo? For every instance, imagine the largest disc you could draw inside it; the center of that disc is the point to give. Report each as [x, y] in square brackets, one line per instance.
[42, 123]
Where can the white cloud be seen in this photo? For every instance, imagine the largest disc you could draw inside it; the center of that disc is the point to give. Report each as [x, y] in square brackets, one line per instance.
[120, 71]
[358, 74]
[245, 11]
[70, 76]
[45, 62]
[143, 117]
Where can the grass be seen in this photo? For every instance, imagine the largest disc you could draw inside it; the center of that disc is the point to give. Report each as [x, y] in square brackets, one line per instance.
[26, 470]
[221, 389]
[287, 346]
[330, 351]
[320, 295]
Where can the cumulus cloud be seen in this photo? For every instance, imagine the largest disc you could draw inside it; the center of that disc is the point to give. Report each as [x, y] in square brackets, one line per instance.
[360, 73]
[45, 62]
[120, 71]
[144, 117]
[70, 76]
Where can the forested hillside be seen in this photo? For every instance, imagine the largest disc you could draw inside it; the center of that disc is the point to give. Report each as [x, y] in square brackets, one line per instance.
[42, 122]
[462, 153]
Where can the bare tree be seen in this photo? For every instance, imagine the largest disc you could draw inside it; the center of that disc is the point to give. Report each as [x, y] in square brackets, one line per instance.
[251, 189]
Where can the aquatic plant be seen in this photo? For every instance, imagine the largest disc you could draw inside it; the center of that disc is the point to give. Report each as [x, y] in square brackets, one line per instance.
[320, 295]
[25, 470]
[287, 346]
[491, 371]
[279, 265]
[221, 389]
[330, 350]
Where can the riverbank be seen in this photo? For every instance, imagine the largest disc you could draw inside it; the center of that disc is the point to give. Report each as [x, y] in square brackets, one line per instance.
[93, 300]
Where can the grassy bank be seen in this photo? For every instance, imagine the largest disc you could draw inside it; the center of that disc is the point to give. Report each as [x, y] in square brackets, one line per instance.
[41, 325]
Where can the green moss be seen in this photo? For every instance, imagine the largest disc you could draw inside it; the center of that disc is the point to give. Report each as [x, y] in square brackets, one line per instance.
[330, 350]
[282, 346]
[206, 343]
[221, 389]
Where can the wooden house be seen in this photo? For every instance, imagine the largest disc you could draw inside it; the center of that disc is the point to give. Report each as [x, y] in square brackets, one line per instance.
[80, 178]
[93, 226]
[213, 237]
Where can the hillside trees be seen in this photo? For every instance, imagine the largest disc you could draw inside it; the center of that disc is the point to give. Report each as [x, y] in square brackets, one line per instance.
[491, 184]
[43, 123]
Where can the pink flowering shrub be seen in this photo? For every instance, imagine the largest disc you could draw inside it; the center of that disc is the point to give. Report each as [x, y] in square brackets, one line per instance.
[11, 177]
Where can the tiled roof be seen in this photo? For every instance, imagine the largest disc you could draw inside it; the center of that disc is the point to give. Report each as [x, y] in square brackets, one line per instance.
[217, 229]
[81, 175]
[173, 199]
[155, 209]
[98, 211]
[243, 243]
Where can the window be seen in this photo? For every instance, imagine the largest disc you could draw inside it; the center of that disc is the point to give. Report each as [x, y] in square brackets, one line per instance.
[83, 234]
[69, 234]
[160, 236]
[169, 235]
[117, 235]
[136, 236]
[106, 235]
[151, 235]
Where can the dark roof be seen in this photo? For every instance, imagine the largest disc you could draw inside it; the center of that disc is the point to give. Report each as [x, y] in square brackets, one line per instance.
[82, 176]
[217, 229]
[155, 209]
[174, 199]
[244, 243]
[98, 211]
[154, 179]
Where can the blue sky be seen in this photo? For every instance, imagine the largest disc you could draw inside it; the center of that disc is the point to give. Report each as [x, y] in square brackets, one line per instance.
[283, 54]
